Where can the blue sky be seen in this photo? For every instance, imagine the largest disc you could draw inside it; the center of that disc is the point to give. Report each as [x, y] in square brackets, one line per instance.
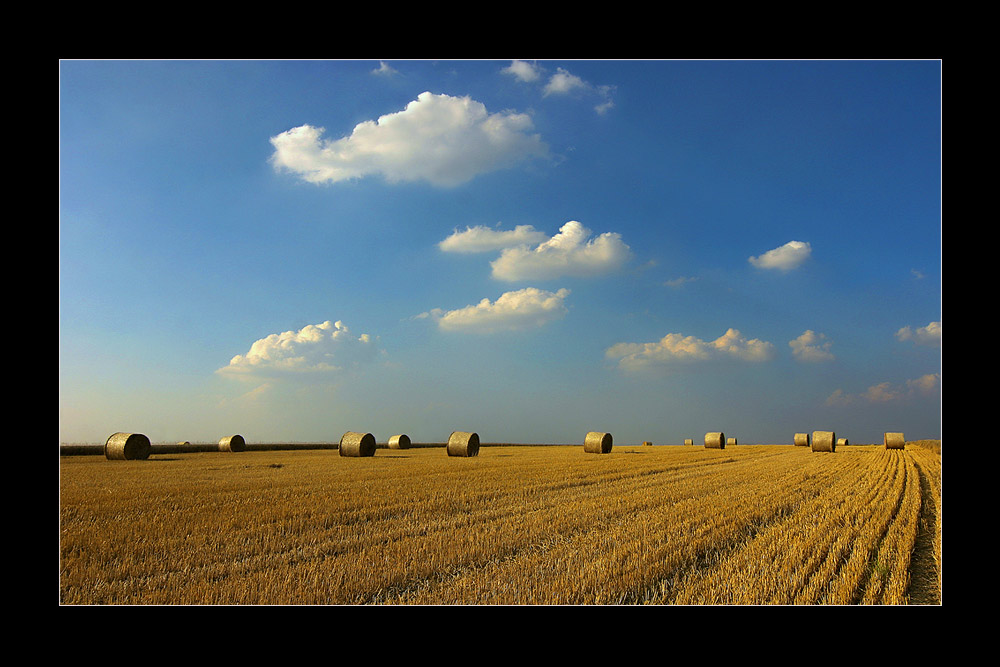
[528, 249]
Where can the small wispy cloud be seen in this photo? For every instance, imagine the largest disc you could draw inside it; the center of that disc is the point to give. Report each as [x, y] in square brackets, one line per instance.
[928, 335]
[571, 252]
[887, 392]
[527, 308]
[522, 70]
[784, 258]
[384, 69]
[562, 82]
[676, 349]
[811, 347]
[679, 282]
[440, 139]
[485, 239]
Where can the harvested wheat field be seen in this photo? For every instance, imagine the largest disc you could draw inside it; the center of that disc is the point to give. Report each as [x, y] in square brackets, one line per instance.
[517, 525]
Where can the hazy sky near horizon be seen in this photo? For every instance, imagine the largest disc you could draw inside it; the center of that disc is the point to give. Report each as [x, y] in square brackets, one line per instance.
[289, 250]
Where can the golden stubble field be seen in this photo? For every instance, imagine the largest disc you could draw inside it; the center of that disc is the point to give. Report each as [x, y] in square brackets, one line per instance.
[761, 524]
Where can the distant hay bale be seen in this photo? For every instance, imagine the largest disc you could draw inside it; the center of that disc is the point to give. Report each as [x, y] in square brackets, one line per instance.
[688, 441]
[127, 447]
[842, 442]
[801, 439]
[715, 440]
[232, 443]
[894, 441]
[824, 441]
[647, 443]
[730, 441]
[598, 443]
[463, 443]
[357, 444]
[184, 443]
[399, 442]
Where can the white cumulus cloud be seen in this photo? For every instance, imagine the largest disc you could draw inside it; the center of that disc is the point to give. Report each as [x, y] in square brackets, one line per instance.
[512, 311]
[440, 139]
[571, 252]
[811, 346]
[316, 348]
[928, 335]
[484, 239]
[784, 258]
[676, 348]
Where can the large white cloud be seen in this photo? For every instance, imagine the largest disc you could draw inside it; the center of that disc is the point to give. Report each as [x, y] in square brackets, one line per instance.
[316, 348]
[928, 335]
[441, 139]
[571, 252]
[675, 349]
[784, 258]
[811, 346]
[512, 311]
[484, 239]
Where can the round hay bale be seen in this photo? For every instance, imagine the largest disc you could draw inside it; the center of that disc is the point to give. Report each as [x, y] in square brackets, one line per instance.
[647, 443]
[463, 443]
[842, 442]
[357, 444]
[894, 441]
[730, 441]
[801, 440]
[598, 443]
[715, 440]
[399, 442]
[127, 447]
[688, 441]
[824, 441]
[184, 443]
[232, 443]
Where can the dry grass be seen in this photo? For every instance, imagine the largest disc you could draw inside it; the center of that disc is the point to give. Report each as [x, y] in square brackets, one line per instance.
[764, 524]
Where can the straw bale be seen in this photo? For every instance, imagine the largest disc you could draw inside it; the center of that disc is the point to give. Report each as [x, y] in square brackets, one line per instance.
[715, 440]
[842, 442]
[801, 439]
[232, 443]
[399, 442]
[127, 447]
[647, 443]
[357, 444]
[598, 443]
[730, 441]
[824, 441]
[688, 441]
[894, 441]
[184, 443]
[463, 443]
